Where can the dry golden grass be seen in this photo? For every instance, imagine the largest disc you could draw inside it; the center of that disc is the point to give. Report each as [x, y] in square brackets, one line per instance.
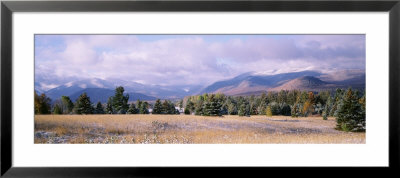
[170, 129]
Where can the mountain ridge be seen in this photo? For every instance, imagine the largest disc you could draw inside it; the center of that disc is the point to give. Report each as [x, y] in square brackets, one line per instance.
[303, 80]
[243, 84]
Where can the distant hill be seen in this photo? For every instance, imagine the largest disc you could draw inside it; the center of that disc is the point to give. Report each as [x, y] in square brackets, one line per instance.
[102, 95]
[304, 83]
[245, 84]
[252, 83]
[70, 88]
[163, 92]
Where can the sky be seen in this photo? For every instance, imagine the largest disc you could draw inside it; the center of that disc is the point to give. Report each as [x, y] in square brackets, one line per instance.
[191, 59]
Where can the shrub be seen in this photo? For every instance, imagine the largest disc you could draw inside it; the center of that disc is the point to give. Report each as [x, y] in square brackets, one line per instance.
[187, 112]
[285, 109]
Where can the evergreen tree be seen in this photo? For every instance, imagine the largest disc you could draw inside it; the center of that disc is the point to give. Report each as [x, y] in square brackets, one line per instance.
[157, 109]
[325, 113]
[199, 107]
[138, 105]
[292, 97]
[67, 105]
[295, 111]
[232, 109]
[99, 108]
[318, 109]
[271, 97]
[187, 111]
[120, 101]
[206, 108]
[262, 108]
[275, 108]
[350, 115]
[253, 108]
[263, 98]
[214, 106]
[190, 106]
[172, 109]
[132, 109]
[144, 108]
[285, 109]
[363, 105]
[337, 98]
[244, 109]
[166, 107]
[282, 96]
[57, 109]
[180, 105]
[328, 106]
[109, 107]
[83, 105]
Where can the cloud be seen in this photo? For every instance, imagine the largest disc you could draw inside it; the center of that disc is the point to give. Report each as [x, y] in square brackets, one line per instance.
[191, 59]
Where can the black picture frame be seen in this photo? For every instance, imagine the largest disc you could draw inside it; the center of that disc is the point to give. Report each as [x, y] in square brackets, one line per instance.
[8, 7]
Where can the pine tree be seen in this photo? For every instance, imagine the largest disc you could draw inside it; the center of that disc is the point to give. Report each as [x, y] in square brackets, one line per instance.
[350, 115]
[244, 109]
[180, 104]
[187, 111]
[120, 101]
[157, 107]
[285, 109]
[336, 100]
[138, 105]
[318, 109]
[199, 107]
[57, 109]
[206, 108]
[262, 108]
[327, 108]
[362, 101]
[132, 109]
[275, 108]
[83, 105]
[172, 109]
[109, 108]
[232, 109]
[190, 106]
[165, 107]
[67, 105]
[99, 108]
[214, 106]
[144, 108]
[325, 113]
[295, 111]
[282, 96]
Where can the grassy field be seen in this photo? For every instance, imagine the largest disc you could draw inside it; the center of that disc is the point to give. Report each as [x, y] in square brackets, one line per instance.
[182, 129]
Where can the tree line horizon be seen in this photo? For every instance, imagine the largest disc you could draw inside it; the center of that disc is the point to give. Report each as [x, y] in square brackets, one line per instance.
[347, 106]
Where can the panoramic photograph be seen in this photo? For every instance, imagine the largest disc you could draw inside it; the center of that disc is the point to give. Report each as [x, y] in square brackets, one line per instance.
[200, 89]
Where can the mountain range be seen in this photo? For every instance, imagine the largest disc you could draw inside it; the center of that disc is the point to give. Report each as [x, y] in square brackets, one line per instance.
[253, 83]
[245, 84]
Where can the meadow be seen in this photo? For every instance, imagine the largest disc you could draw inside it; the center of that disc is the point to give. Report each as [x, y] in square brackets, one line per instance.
[189, 129]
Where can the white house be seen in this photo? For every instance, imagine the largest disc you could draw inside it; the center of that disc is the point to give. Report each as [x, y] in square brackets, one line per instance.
[181, 110]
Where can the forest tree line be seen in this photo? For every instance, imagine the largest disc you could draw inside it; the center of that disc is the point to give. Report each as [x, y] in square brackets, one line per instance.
[348, 106]
[117, 104]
